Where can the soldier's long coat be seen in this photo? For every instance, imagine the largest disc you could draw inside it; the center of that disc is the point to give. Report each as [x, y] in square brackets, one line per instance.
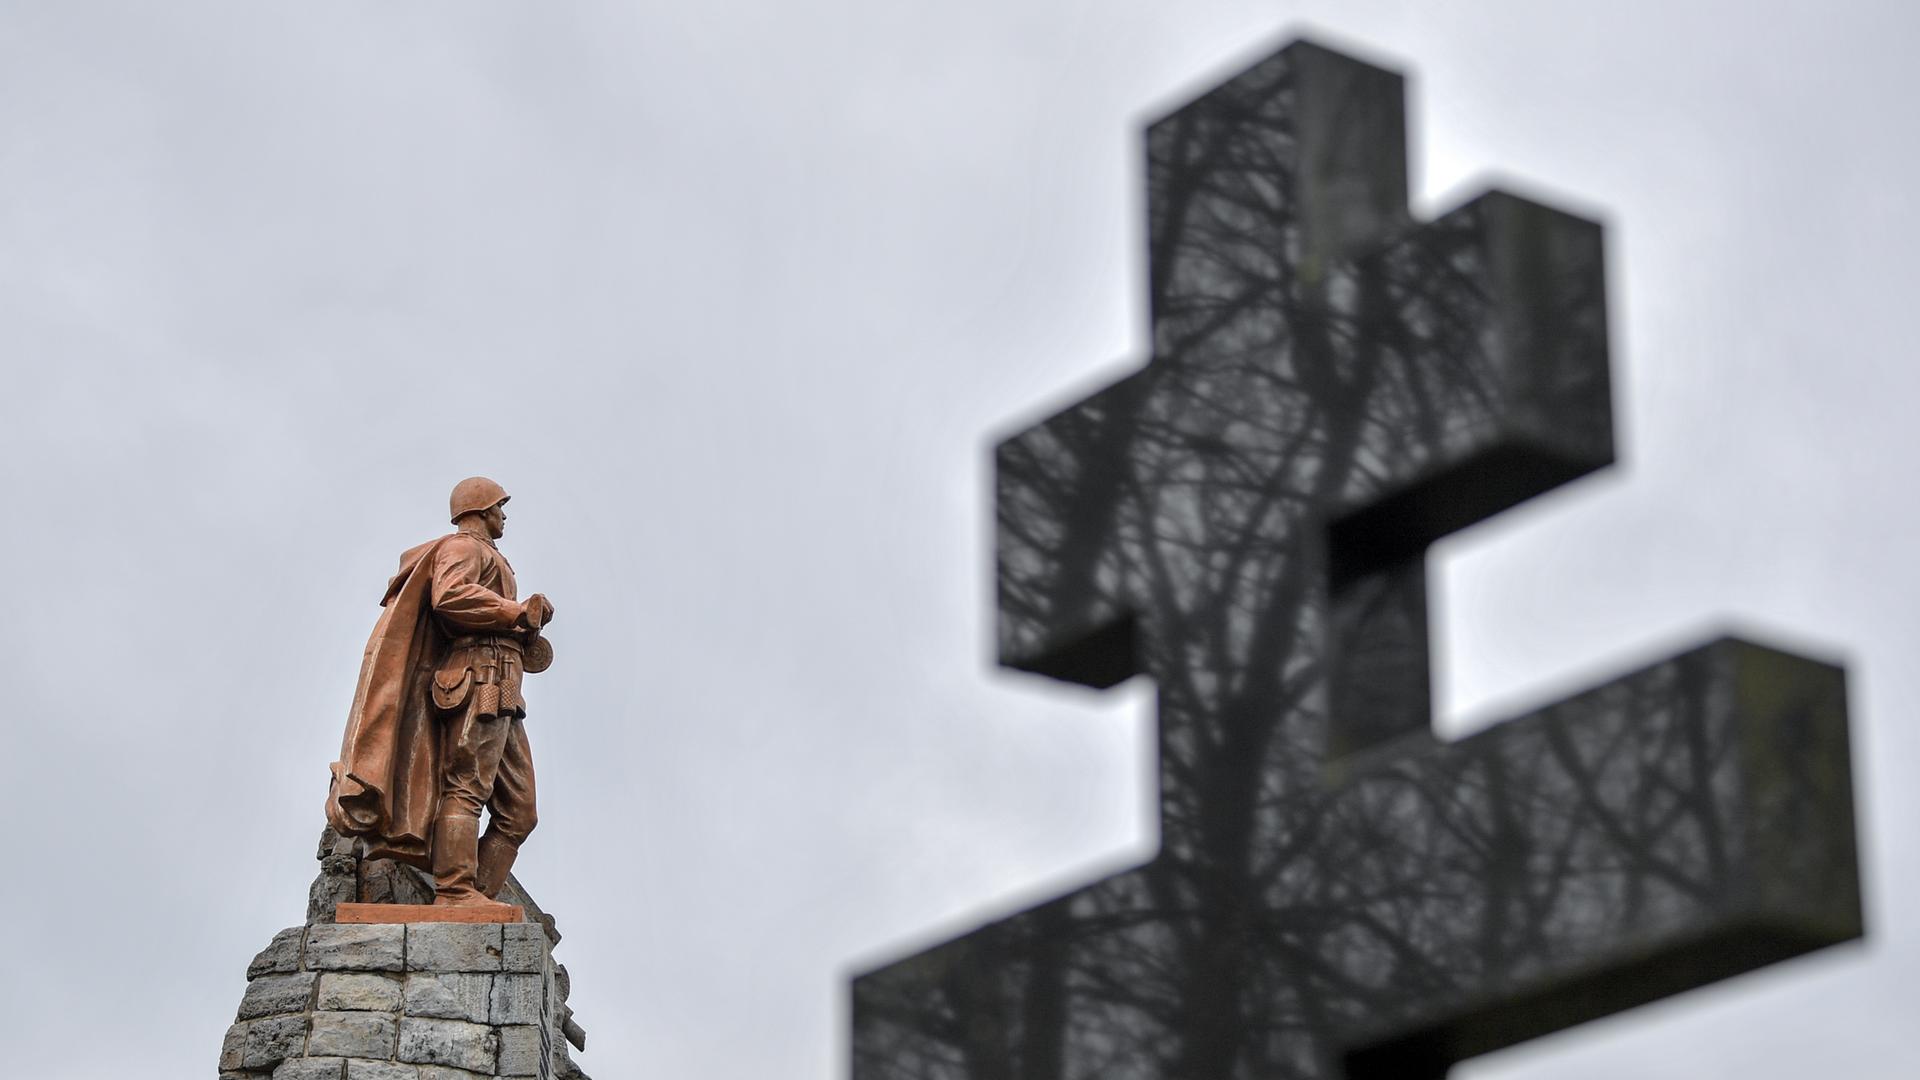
[387, 782]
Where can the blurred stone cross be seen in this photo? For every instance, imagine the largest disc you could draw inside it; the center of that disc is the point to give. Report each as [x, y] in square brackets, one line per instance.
[1337, 892]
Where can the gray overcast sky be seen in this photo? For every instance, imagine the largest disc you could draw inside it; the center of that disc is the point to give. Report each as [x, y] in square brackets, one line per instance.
[731, 296]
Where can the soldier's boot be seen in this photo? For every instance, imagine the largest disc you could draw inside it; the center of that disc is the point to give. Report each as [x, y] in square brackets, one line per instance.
[496, 859]
[456, 859]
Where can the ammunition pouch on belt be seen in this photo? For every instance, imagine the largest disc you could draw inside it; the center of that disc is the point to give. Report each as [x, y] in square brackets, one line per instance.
[487, 663]
[451, 685]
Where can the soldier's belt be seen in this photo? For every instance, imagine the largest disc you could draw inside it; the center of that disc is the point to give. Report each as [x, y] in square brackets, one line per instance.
[536, 654]
[474, 641]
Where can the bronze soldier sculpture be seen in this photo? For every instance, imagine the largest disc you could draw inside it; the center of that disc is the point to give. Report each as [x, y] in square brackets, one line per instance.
[436, 731]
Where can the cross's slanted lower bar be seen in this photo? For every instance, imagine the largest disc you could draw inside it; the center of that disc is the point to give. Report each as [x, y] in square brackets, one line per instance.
[1337, 893]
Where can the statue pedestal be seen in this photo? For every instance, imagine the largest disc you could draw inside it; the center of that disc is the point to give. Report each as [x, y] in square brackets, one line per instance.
[386, 1001]
[403, 990]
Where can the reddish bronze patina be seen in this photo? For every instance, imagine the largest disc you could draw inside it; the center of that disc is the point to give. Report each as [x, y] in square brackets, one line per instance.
[436, 730]
[412, 913]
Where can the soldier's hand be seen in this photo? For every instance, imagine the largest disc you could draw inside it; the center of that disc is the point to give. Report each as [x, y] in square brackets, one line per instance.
[539, 611]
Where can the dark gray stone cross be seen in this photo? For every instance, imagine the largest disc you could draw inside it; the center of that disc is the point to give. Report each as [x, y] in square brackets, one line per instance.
[1337, 892]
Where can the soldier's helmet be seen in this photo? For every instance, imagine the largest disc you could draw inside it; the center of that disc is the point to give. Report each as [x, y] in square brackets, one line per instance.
[474, 494]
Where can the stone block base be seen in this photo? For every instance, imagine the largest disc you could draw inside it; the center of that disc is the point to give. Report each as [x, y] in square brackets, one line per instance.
[403, 1001]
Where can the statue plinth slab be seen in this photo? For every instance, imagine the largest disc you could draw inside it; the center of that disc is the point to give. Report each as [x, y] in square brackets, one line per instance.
[347, 912]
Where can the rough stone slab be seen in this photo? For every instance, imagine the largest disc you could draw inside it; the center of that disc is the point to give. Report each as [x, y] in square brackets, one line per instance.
[381, 1070]
[234, 1046]
[352, 1034]
[280, 955]
[337, 947]
[354, 912]
[310, 1069]
[332, 843]
[449, 997]
[518, 999]
[523, 947]
[574, 1033]
[452, 947]
[358, 991]
[520, 1051]
[441, 1072]
[546, 923]
[334, 885]
[271, 1041]
[448, 1042]
[384, 881]
[272, 994]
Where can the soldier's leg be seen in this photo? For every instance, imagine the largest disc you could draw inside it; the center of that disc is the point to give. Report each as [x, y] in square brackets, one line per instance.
[511, 806]
[470, 750]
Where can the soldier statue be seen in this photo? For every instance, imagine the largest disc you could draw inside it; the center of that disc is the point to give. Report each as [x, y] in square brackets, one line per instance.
[436, 730]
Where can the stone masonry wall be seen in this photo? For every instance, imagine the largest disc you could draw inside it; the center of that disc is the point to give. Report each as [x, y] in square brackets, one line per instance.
[393, 1001]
